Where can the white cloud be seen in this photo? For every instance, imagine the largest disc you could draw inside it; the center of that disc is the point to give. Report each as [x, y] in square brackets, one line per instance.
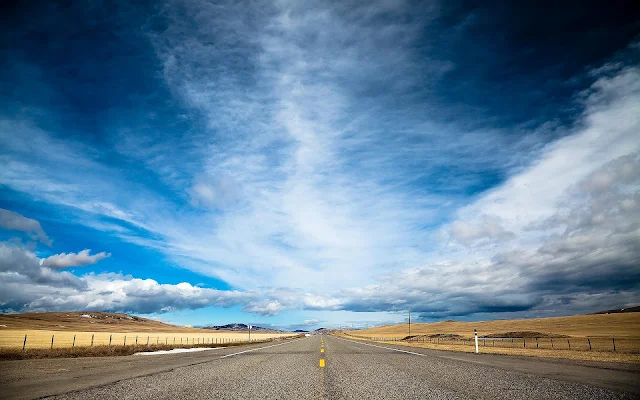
[575, 215]
[64, 260]
[301, 185]
[487, 229]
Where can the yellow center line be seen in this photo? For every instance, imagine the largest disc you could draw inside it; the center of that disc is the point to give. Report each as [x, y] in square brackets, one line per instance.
[322, 363]
[321, 350]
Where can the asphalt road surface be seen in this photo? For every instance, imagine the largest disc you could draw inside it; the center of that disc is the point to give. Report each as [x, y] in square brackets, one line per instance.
[293, 369]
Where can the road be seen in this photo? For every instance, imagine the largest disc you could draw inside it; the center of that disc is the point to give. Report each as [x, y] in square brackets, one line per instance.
[292, 369]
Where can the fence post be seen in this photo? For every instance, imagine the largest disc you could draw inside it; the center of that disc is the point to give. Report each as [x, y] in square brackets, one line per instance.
[92, 335]
[552, 343]
[52, 341]
[589, 341]
[614, 343]
[148, 340]
[110, 336]
[569, 343]
[174, 340]
[524, 341]
[536, 343]
[136, 340]
[125, 340]
[74, 341]
[24, 344]
[166, 340]
[157, 339]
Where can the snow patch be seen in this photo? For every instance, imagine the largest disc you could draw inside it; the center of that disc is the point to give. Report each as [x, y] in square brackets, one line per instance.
[174, 351]
[86, 316]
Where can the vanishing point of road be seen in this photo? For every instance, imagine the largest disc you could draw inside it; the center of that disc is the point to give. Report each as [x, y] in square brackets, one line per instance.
[318, 367]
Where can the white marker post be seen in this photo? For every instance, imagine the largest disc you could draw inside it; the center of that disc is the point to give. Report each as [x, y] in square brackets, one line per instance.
[249, 333]
[475, 334]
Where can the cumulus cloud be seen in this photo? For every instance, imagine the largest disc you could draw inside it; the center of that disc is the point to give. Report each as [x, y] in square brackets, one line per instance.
[66, 260]
[13, 221]
[26, 285]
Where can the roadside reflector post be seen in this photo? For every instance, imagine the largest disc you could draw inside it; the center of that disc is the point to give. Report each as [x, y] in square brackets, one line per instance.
[74, 341]
[24, 344]
[148, 340]
[589, 341]
[92, 339]
[110, 336]
[475, 335]
[614, 343]
[52, 341]
[136, 340]
[124, 343]
[166, 340]
[536, 343]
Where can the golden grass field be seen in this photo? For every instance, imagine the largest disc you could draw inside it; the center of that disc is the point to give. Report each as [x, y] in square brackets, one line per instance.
[530, 352]
[599, 329]
[103, 327]
[621, 325]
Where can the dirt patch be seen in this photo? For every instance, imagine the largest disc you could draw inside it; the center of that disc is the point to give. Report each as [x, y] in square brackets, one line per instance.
[432, 336]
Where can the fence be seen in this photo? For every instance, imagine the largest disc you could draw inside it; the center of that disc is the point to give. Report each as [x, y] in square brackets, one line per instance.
[603, 344]
[50, 339]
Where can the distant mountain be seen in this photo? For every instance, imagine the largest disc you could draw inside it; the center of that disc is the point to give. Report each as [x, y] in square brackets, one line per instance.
[301, 331]
[620, 310]
[241, 328]
[328, 331]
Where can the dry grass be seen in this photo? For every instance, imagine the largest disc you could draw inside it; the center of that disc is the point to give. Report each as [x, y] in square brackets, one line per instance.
[42, 339]
[107, 328]
[99, 322]
[623, 325]
[580, 337]
[95, 351]
[544, 353]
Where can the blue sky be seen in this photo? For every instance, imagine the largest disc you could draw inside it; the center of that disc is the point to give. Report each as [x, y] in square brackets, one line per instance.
[306, 164]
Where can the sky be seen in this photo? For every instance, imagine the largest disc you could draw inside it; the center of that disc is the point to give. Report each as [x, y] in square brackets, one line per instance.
[306, 164]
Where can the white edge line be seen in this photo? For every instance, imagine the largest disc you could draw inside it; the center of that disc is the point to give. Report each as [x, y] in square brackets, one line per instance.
[260, 348]
[383, 347]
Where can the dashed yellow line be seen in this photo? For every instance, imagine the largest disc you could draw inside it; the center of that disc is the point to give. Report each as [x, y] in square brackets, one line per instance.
[322, 363]
[321, 350]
